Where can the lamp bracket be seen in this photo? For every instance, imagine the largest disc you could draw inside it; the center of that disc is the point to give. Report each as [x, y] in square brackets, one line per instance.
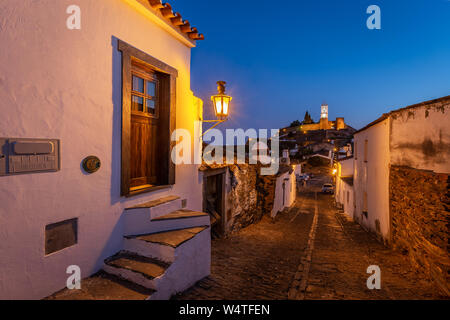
[216, 123]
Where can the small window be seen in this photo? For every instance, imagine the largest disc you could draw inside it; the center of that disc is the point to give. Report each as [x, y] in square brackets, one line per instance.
[60, 235]
[348, 197]
[144, 97]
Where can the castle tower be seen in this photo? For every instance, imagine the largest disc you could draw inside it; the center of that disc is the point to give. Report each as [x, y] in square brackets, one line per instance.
[324, 111]
[340, 123]
[324, 124]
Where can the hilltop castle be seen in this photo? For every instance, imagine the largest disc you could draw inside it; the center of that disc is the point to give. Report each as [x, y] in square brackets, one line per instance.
[324, 123]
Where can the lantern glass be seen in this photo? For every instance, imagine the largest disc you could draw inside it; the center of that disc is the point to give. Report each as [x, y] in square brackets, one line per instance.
[221, 105]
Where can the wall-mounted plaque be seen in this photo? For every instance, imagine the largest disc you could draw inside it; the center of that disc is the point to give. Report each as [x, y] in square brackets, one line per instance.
[91, 164]
[22, 156]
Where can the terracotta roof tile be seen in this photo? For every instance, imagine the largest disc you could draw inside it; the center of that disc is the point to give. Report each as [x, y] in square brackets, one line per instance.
[176, 20]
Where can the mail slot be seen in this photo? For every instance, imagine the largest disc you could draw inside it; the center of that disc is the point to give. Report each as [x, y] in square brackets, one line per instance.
[33, 147]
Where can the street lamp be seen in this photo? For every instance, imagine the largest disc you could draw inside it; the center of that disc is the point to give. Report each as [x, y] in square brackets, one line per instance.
[221, 101]
[221, 104]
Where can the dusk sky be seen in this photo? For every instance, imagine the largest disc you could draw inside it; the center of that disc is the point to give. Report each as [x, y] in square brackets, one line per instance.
[281, 58]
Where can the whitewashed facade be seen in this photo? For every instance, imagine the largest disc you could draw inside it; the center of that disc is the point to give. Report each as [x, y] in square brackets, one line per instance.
[65, 84]
[285, 189]
[344, 186]
[417, 136]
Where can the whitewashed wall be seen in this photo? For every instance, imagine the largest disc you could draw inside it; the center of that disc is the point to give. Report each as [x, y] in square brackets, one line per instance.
[373, 177]
[289, 181]
[297, 169]
[66, 84]
[420, 137]
[344, 196]
[344, 192]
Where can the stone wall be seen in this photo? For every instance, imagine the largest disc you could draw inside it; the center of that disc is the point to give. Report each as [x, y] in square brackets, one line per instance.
[248, 195]
[242, 198]
[419, 210]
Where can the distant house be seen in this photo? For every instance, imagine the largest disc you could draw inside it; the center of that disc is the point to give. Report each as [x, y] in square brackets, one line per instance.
[285, 188]
[344, 186]
[114, 90]
[401, 181]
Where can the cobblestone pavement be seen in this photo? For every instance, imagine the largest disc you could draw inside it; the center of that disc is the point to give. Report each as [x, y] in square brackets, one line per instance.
[342, 253]
[267, 260]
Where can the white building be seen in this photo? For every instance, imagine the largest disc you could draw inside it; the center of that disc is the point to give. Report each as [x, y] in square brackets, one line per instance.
[401, 183]
[115, 89]
[344, 186]
[417, 136]
[285, 188]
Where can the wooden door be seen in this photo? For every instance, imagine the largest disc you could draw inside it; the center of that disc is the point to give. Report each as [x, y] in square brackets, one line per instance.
[144, 129]
[214, 203]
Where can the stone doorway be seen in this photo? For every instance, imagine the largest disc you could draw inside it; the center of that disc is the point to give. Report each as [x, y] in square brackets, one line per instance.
[214, 200]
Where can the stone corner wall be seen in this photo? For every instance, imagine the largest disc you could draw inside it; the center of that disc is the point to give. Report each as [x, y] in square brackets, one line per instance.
[251, 195]
[242, 198]
[420, 219]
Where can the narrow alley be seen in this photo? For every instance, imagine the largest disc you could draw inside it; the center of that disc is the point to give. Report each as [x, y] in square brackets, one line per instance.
[296, 256]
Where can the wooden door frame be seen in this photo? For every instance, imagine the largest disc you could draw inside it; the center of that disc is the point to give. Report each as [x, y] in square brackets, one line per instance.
[223, 173]
[129, 54]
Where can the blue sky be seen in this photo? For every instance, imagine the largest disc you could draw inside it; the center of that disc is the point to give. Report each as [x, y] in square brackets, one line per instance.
[281, 58]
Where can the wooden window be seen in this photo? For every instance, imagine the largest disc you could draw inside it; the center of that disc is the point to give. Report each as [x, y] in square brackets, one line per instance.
[148, 119]
[144, 91]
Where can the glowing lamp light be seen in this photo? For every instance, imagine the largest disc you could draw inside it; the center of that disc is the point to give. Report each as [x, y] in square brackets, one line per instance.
[334, 171]
[221, 101]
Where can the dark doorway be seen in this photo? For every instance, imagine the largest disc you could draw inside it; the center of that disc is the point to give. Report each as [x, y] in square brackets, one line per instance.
[213, 202]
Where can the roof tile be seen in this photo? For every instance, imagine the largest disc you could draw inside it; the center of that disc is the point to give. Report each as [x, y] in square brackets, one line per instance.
[176, 20]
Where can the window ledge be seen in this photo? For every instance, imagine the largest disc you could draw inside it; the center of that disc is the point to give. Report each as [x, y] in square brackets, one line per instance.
[147, 190]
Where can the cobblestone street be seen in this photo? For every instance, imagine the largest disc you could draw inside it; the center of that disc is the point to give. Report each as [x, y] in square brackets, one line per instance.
[293, 257]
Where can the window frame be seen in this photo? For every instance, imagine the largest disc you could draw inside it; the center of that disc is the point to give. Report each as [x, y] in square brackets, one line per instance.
[147, 76]
[131, 56]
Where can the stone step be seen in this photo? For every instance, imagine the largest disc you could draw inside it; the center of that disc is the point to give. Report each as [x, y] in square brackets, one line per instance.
[156, 207]
[187, 250]
[104, 286]
[154, 203]
[152, 266]
[173, 238]
[144, 271]
[181, 214]
[160, 245]
[143, 222]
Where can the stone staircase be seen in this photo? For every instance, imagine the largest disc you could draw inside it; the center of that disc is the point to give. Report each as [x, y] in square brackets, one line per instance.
[166, 249]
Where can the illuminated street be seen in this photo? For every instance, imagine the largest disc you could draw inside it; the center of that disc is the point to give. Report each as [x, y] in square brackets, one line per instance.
[261, 261]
